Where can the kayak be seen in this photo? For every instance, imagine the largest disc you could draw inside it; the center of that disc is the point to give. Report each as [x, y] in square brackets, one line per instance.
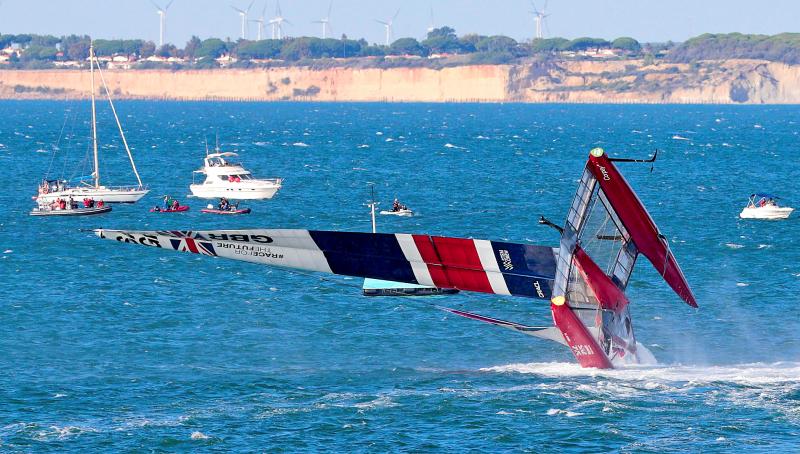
[234, 211]
[180, 209]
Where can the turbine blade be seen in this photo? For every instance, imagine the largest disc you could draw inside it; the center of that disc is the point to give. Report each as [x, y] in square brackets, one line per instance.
[250, 5]
[168, 4]
[395, 14]
[330, 5]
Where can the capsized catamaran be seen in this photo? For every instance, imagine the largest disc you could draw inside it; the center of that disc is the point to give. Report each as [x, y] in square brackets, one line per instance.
[606, 229]
[52, 190]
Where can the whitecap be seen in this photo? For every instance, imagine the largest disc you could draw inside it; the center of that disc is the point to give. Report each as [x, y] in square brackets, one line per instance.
[389, 139]
[197, 435]
[742, 284]
[677, 137]
[734, 245]
[299, 144]
[8, 251]
[363, 145]
[567, 413]
[456, 147]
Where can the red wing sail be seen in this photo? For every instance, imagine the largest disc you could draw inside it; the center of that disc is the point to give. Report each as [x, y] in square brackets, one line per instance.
[640, 226]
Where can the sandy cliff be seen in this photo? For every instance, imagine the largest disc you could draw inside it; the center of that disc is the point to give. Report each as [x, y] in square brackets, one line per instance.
[629, 81]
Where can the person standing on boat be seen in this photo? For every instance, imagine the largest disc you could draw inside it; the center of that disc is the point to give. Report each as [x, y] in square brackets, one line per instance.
[167, 202]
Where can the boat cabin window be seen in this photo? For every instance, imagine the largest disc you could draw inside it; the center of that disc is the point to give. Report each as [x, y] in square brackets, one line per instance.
[217, 162]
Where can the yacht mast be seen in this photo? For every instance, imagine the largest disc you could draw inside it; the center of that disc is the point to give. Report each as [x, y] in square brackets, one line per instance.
[119, 126]
[94, 118]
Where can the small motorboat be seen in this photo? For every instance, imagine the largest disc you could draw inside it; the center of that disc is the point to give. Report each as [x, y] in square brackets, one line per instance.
[179, 209]
[234, 209]
[764, 206]
[400, 212]
[47, 210]
[398, 209]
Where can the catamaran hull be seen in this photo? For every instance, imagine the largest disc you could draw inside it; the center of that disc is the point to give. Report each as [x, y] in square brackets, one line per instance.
[107, 195]
[236, 191]
[768, 213]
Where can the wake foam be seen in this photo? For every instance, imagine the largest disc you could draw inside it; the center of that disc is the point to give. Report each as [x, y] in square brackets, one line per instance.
[751, 374]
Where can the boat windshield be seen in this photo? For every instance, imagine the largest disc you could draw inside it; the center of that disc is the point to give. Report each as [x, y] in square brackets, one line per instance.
[218, 161]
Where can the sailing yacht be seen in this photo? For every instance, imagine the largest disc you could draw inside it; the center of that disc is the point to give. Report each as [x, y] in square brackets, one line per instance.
[52, 190]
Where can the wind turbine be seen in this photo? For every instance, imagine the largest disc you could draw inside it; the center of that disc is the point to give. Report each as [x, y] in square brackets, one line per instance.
[325, 21]
[277, 22]
[431, 26]
[162, 21]
[243, 15]
[388, 25]
[538, 17]
[260, 21]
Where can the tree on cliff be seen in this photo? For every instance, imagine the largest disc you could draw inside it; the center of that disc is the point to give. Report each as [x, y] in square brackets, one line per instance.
[406, 46]
[627, 44]
[585, 43]
[497, 43]
[442, 40]
[75, 47]
[211, 48]
[539, 45]
[264, 49]
[190, 50]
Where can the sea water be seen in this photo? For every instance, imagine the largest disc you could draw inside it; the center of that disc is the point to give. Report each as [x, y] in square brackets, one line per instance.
[108, 346]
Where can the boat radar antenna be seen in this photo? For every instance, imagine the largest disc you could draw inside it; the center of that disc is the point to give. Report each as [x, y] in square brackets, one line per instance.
[206, 140]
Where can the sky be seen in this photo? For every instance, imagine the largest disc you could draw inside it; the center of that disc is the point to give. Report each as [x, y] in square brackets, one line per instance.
[645, 20]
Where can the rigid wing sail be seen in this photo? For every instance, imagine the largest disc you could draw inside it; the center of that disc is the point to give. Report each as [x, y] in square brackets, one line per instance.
[607, 227]
[472, 265]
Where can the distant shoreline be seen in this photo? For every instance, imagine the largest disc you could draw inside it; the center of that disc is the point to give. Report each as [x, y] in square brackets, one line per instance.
[568, 82]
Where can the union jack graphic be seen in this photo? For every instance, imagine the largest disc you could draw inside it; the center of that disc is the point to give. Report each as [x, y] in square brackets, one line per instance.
[187, 241]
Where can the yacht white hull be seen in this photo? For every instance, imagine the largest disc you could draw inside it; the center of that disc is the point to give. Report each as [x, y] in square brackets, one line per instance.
[766, 212]
[107, 195]
[235, 191]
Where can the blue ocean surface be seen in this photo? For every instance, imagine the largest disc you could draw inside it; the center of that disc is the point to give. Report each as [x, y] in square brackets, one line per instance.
[112, 347]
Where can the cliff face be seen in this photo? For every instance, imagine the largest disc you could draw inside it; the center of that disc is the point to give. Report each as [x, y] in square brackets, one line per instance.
[629, 81]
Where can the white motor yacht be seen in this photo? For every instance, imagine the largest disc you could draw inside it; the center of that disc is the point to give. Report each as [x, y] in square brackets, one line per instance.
[230, 180]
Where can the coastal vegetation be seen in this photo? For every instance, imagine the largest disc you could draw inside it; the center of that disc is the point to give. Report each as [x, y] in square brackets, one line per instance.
[441, 47]
[784, 48]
